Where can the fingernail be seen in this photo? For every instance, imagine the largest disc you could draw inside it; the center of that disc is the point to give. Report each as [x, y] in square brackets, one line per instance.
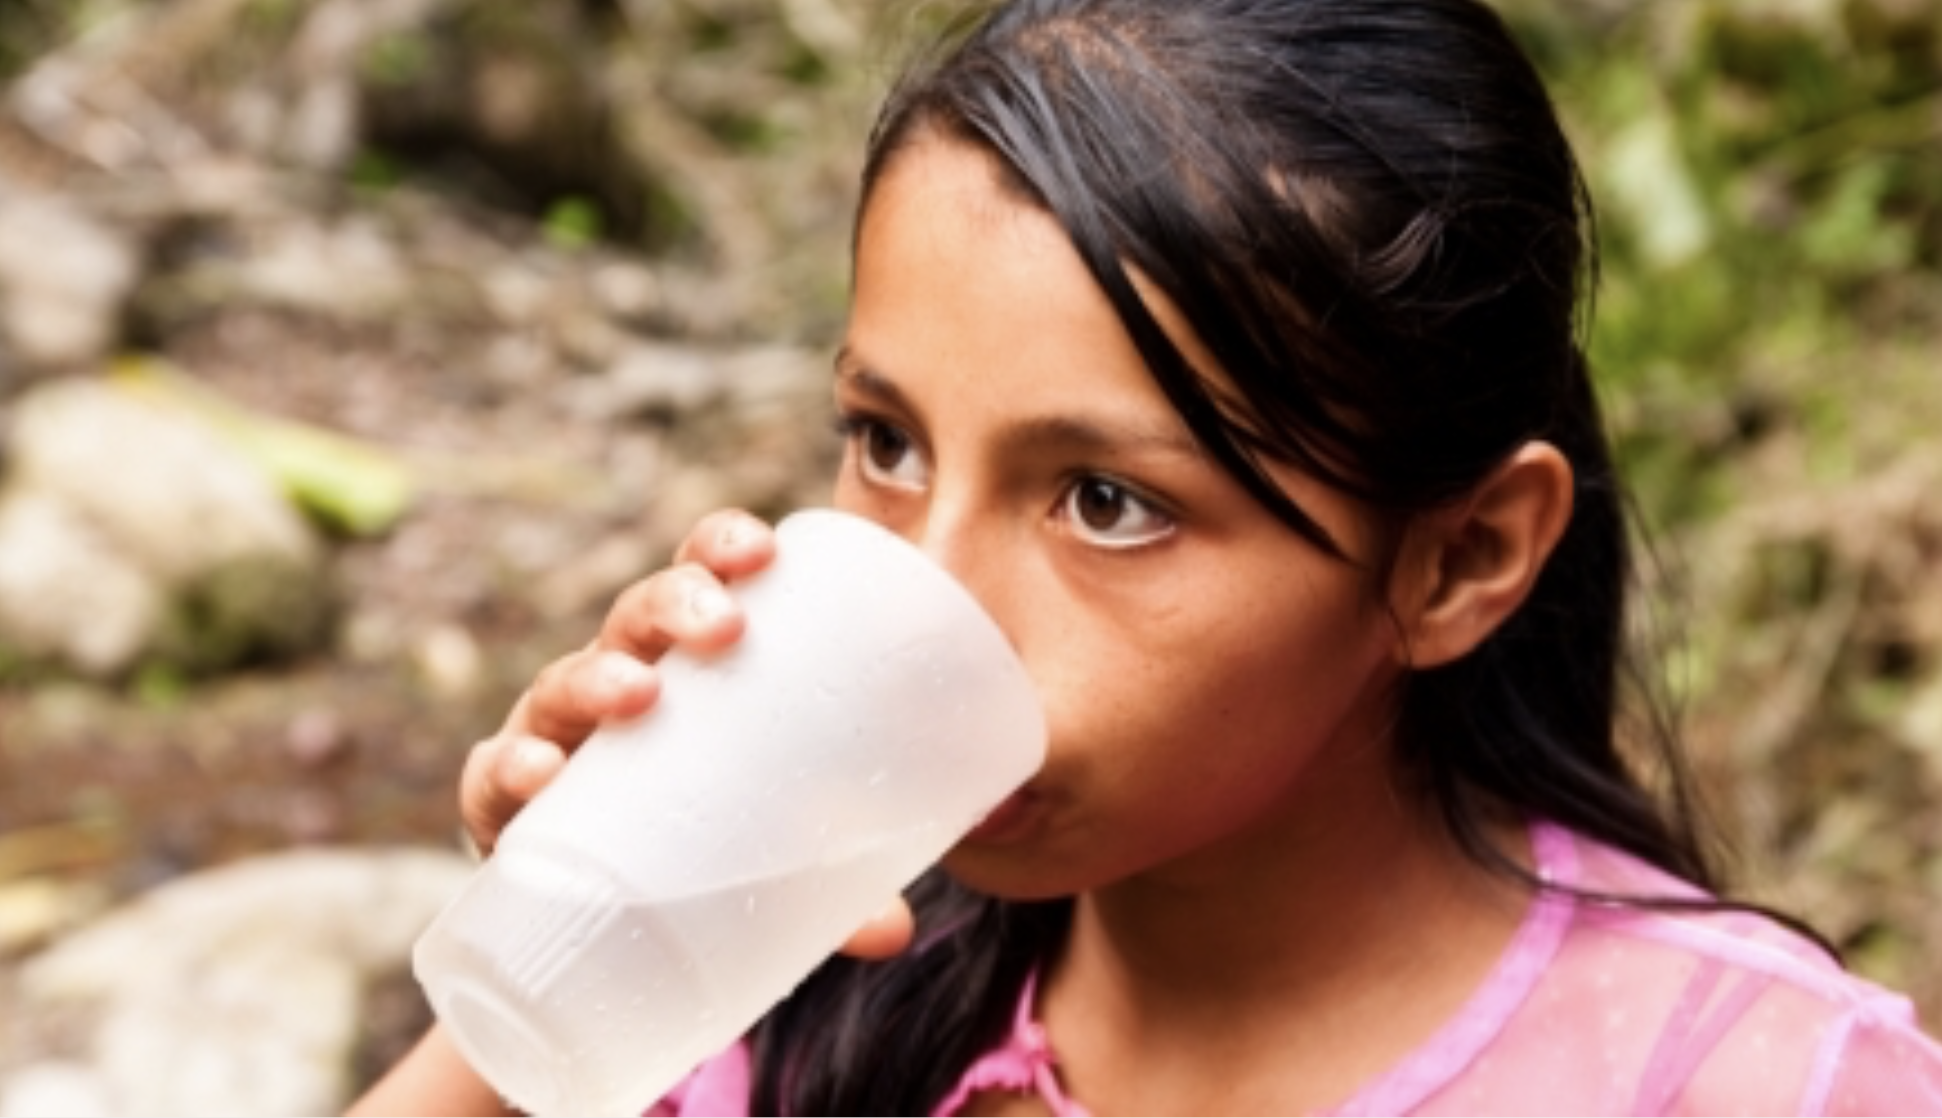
[706, 603]
[732, 534]
[532, 757]
[619, 672]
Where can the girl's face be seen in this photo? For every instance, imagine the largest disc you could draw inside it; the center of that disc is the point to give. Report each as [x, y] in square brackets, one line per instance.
[1212, 682]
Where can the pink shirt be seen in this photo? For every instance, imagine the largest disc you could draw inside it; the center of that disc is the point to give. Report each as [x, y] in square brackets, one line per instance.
[1591, 1010]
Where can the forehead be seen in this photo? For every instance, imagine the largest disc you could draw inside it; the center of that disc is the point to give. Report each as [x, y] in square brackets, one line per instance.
[950, 204]
[957, 265]
[960, 279]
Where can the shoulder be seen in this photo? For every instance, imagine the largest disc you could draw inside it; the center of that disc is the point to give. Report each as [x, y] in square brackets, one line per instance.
[1716, 1011]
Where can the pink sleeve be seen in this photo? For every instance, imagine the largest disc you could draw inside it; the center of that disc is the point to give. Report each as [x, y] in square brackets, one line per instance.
[1880, 1063]
[718, 1088]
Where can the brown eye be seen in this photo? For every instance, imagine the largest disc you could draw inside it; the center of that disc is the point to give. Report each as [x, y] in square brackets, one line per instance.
[1098, 504]
[884, 455]
[886, 447]
[1107, 514]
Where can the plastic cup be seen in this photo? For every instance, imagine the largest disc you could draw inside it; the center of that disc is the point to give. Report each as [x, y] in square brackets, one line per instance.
[687, 869]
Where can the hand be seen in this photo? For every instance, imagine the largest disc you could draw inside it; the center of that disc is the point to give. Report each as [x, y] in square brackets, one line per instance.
[613, 677]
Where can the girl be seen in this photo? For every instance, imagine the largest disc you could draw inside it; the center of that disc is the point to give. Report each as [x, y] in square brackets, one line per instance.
[1229, 351]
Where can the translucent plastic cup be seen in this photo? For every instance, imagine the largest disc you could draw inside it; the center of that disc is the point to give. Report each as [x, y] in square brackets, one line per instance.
[686, 870]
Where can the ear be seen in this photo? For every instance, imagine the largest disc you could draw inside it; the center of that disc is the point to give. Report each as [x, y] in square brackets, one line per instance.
[1466, 568]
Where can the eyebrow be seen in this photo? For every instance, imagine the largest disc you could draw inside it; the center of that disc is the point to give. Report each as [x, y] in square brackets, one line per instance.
[1040, 432]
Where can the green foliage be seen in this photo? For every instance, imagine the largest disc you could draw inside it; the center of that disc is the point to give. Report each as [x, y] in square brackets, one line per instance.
[709, 32]
[572, 222]
[242, 611]
[17, 669]
[804, 66]
[159, 686]
[398, 59]
[27, 29]
[1769, 184]
[267, 18]
[374, 172]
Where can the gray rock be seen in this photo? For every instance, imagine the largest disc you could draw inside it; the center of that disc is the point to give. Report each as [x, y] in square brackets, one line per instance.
[664, 381]
[169, 504]
[237, 990]
[53, 1089]
[66, 595]
[349, 270]
[64, 277]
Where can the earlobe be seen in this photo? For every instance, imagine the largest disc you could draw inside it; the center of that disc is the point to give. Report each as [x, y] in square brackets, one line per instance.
[1467, 568]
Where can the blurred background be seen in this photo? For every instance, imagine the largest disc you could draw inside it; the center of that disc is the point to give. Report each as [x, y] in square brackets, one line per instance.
[354, 353]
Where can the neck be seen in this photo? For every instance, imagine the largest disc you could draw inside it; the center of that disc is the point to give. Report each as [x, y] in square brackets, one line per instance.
[1286, 967]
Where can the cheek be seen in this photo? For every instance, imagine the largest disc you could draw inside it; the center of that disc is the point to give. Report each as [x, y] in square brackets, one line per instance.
[851, 495]
[1182, 695]
[846, 493]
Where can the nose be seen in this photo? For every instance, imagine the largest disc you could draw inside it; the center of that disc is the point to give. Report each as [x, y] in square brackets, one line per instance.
[948, 534]
[971, 546]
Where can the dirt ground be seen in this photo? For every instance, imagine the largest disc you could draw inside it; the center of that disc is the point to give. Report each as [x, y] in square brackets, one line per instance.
[111, 789]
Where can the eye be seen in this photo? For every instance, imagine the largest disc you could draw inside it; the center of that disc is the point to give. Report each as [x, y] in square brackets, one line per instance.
[1108, 514]
[884, 455]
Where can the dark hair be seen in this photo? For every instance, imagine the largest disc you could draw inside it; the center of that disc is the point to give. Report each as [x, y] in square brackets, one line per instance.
[1368, 213]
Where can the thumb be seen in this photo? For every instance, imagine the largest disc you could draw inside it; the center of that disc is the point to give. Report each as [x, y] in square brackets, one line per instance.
[884, 935]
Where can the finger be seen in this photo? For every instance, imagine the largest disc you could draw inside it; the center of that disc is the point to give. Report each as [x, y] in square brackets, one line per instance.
[886, 934]
[685, 605]
[500, 777]
[578, 692]
[731, 543]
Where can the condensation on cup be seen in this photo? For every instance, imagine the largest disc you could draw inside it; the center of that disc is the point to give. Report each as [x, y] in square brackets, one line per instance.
[686, 870]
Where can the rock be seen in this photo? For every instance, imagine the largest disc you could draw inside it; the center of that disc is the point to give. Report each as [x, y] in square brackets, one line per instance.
[158, 482]
[666, 381]
[237, 990]
[316, 737]
[66, 595]
[169, 504]
[64, 277]
[35, 909]
[449, 660]
[651, 380]
[53, 1089]
[348, 270]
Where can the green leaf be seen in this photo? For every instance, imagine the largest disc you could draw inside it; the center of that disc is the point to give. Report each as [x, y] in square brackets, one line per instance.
[349, 486]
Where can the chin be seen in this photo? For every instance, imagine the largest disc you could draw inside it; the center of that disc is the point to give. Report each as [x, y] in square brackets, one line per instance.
[1008, 875]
